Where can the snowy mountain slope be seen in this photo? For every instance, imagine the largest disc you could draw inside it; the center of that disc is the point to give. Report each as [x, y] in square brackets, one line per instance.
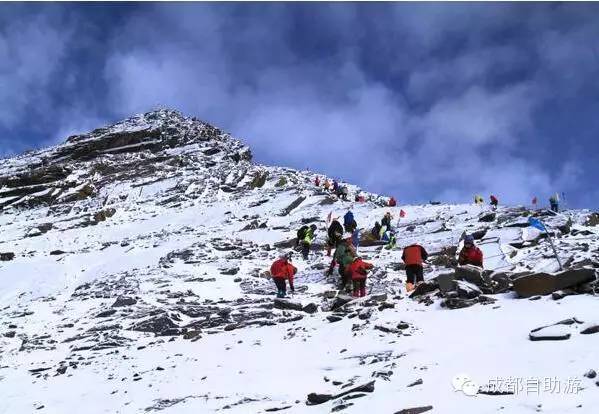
[139, 284]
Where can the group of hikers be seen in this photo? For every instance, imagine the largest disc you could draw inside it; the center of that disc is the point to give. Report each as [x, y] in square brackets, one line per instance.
[494, 201]
[345, 240]
[342, 191]
[352, 269]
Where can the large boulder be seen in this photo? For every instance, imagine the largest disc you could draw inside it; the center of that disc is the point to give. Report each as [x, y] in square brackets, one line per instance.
[546, 283]
[287, 304]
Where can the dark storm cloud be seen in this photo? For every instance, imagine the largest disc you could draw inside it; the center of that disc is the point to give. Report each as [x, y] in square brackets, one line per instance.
[418, 100]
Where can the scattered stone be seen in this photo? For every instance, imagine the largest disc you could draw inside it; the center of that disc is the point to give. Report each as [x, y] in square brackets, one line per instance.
[591, 329]
[287, 304]
[10, 334]
[310, 308]
[106, 313]
[56, 252]
[417, 382]
[340, 300]
[314, 398]
[334, 318]
[545, 283]
[487, 217]
[5, 257]
[590, 374]
[229, 271]
[124, 301]
[415, 410]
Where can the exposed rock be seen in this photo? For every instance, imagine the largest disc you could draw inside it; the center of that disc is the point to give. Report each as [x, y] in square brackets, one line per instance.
[124, 301]
[591, 329]
[281, 303]
[229, 271]
[5, 257]
[106, 313]
[590, 374]
[310, 308]
[545, 283]
[425, 287]
[417, 382]
[314, 398]
[292, 206]
[415, 410]
[334, 318]
[558, 331]
[340, 300]
[487, 217]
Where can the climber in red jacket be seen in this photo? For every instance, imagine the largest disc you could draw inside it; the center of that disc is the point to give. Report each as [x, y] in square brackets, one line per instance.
[392, 202]
[413, 256]
[282, 270]
[358, 270]
[470, 254]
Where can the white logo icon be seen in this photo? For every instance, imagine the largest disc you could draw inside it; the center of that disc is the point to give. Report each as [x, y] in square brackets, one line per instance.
[464, 383]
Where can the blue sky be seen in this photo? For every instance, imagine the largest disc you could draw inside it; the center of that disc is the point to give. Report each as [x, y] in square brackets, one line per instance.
[424, 101]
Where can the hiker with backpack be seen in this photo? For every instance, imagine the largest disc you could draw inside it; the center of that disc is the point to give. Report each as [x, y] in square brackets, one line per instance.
[349, 223]
[327, 184]
[392, 202]
[343, 257]
[375, 232]
[282, 270]
[305, 236]
[413, 256]
[335, 233]
[470, 254]
[317, 181]
[358, 271]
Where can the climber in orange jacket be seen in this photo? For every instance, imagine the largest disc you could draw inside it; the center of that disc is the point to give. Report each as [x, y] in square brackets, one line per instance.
[413, 256]
[282, 270]
[358, 270]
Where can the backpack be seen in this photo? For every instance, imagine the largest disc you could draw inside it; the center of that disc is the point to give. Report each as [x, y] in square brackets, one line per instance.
[348, 218]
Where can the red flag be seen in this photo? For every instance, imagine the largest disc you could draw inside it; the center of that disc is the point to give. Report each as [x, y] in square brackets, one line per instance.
[534, 201]
[402, 213]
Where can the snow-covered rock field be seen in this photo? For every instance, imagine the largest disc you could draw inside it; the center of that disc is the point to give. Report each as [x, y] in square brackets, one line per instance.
[134, 278]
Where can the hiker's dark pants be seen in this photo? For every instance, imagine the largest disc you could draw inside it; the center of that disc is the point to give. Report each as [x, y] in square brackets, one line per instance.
[359, 287]
[305, 250]
[344, 278]
[414, 273]
[554, 207]
[281, 285]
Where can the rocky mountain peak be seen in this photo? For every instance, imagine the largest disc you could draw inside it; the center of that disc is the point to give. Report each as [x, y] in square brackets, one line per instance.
[144, 145]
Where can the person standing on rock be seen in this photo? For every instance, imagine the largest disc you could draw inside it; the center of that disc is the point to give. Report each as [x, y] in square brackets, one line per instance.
[317, 181]
[327, 184]
[494, 201]
[392, 202]
[335, 187]
[413, 256]
[358, 270]
[335, 233]
[282, 270]
[554, 202]
[307, 239]
[470, 254]
[386, 221]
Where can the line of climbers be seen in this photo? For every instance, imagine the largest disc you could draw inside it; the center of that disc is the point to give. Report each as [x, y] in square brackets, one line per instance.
[494, 201]
[342, 191]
